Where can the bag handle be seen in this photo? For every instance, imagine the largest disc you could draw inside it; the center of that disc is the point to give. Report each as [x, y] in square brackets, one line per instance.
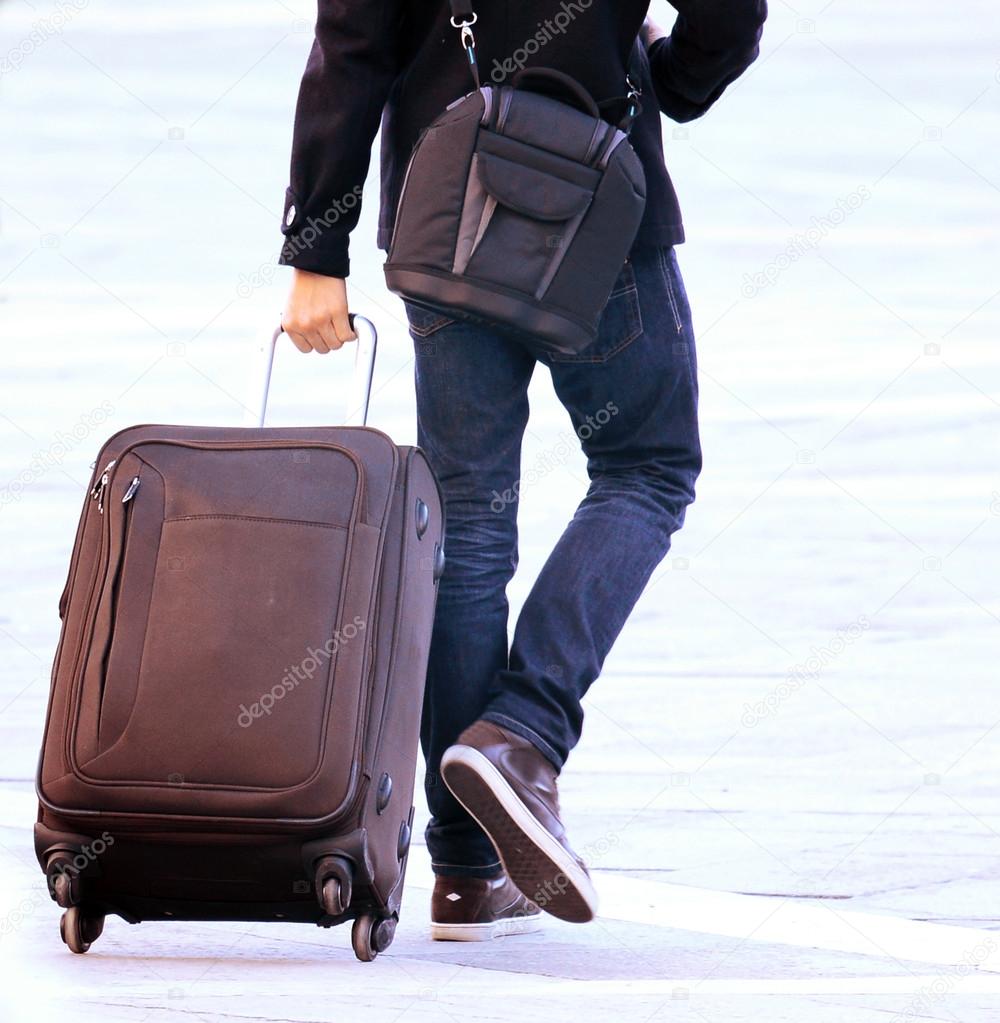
[358, 396]
[561, 81]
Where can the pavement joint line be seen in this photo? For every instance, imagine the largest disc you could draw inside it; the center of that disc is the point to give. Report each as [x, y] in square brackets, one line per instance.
[670, 987]
[658, 903]
[707, 911]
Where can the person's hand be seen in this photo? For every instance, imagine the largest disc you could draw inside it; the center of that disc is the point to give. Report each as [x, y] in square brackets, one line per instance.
[315, 315]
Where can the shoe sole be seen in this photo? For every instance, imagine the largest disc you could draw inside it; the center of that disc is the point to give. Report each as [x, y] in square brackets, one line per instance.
[503, 928]
[534, 860]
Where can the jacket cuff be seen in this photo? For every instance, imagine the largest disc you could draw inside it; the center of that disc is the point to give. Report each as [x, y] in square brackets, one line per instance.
[313, 243]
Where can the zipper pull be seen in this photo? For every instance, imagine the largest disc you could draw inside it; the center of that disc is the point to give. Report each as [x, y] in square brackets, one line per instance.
[132, 488]
[103, 481]
[98, 492]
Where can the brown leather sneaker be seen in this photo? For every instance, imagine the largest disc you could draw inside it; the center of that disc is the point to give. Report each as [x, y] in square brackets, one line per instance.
[510, 788]
[478, 909]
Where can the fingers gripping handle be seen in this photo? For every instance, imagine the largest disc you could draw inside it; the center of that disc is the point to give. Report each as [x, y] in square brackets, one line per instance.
[358, 395]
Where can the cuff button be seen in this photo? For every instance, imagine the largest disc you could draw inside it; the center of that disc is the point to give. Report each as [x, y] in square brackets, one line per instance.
[290, 216]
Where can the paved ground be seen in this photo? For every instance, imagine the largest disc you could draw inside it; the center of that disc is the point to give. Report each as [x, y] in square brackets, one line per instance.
[788, 784]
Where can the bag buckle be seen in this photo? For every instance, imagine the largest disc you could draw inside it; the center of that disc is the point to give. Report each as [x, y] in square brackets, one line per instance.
[634, 92]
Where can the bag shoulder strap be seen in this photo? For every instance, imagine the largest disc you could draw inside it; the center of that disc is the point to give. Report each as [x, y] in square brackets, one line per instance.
[461, 10]
[463, 17]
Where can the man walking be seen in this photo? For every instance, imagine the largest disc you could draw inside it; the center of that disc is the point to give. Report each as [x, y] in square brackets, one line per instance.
[500, 720]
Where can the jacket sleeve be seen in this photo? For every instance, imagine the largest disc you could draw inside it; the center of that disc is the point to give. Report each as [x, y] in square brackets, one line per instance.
[712, 43]
[345, 85]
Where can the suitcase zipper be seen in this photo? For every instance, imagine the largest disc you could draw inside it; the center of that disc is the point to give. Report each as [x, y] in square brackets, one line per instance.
[97, 584]
[132, 488]
[115, 594]
[97, 494]
[97, 588]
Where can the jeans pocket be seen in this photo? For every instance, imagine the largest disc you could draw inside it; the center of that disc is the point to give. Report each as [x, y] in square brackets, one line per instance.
[620, 324]
[425, 320]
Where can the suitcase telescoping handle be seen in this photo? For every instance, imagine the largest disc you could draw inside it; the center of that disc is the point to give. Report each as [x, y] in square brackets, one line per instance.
[358, 395]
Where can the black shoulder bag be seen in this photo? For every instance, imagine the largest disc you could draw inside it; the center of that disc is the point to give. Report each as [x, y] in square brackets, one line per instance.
[517, 207]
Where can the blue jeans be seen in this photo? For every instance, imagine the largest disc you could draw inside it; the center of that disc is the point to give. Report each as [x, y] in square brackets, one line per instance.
[632, 401]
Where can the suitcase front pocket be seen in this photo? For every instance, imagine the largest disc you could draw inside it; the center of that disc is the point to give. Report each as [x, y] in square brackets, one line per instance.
[228, 625]
[232, 684]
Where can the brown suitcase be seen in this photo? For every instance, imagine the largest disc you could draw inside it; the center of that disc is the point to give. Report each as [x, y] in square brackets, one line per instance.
[235, 705]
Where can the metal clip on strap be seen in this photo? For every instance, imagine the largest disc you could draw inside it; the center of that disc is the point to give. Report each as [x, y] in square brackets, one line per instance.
[632, 105]
[463, 17]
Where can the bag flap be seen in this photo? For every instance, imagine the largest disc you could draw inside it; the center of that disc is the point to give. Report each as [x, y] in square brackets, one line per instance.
[530, 192]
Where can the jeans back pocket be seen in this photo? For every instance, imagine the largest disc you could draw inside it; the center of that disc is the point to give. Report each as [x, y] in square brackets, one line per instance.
[425, 320]
[620, 323]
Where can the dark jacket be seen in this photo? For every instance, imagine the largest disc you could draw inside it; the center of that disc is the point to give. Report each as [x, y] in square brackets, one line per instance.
[401, 61]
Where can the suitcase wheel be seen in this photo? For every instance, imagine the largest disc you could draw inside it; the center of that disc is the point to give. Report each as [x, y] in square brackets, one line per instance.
[64, 880]
[333, 898]
[372, 934]
[334, 875]
[78, 930]
[64, 890]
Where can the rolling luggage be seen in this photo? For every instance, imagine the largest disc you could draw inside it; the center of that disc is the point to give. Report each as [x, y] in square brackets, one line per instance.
[236, 695]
